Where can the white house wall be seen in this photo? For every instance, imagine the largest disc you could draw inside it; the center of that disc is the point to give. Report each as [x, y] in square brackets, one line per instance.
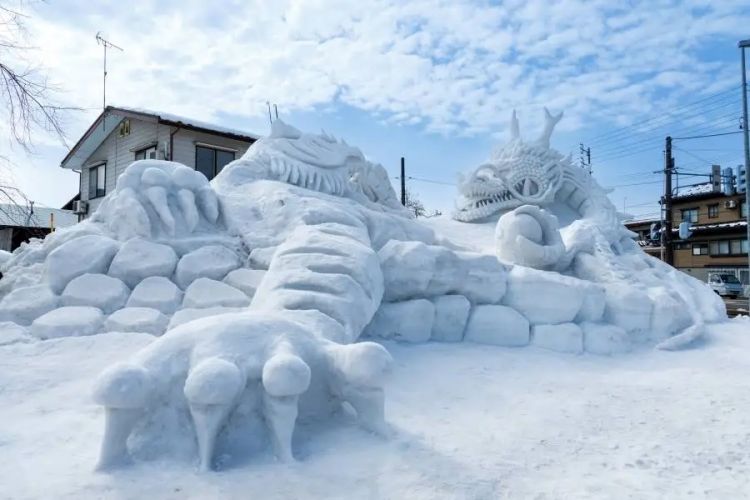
[119, 152]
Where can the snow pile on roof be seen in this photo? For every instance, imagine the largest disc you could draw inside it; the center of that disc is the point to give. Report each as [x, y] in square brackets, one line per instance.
[705, 188]
[191, 122]
[42, 217]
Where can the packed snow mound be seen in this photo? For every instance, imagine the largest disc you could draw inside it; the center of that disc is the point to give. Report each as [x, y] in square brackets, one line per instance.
[156, 292]
[96, 290]
[24, 305]
[205, 292]
[212, 262]
[261, 284]
[139, 259]
[90, 254]
[137, 319]
[69, 321]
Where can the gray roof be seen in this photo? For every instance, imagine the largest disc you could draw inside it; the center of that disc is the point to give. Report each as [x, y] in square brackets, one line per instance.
[22, 216]
[100, 130]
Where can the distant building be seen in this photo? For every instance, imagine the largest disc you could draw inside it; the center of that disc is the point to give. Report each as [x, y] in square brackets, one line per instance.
[19, 223]
[718, 239]
[719, 233]
[120, 136]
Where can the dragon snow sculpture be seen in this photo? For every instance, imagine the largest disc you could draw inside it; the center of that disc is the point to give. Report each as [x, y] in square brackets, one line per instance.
[261, 284]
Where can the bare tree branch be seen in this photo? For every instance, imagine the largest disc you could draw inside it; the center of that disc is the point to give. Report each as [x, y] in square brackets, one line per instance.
[26, 97]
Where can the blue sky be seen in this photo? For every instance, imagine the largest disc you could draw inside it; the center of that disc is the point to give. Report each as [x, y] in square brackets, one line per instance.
[432, 81]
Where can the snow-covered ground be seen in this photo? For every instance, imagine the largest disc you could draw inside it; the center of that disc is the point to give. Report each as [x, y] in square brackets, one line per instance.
[470, 421]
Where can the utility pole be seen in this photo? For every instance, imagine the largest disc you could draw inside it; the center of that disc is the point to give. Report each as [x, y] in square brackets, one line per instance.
[743, 45]
[667, 227]
[403, 181]
[585, 157]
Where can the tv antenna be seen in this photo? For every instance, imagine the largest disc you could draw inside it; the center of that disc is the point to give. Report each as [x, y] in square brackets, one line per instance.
[106, 44]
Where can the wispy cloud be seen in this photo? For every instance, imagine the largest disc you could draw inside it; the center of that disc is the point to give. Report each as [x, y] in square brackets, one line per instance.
[451, 66]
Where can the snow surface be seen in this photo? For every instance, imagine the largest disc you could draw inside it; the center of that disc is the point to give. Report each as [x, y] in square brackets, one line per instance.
[205, 292]
[156, 292]
[96, 290]
[484, 422]
[213, 261]
[139, 259]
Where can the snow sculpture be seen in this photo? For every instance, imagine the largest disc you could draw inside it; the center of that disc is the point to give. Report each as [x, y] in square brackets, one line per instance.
[259, 286]
[552, 215]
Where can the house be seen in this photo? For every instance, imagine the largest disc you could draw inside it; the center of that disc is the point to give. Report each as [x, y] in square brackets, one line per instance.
[121, 135]
[643, 230]
[20, 223]
[718, 239]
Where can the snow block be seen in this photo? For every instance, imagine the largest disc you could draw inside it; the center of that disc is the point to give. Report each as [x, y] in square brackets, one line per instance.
[451, 315]
[138, 259]
[408, 267]
[544, 297]
[186, 315]
[96, 290]
[156, 292]
[486, 278]
[12, 333]
[137, 319]
[409, 321]
[565, 337]
[497, 325]
[213, 261]
[604, 339]
[260, 258]
[413, 269]
[72, 321]
[670, 314]
[24, 305]
[593, 305]
[246, 280]
[87, 254]
[205, 292]
[628, 308]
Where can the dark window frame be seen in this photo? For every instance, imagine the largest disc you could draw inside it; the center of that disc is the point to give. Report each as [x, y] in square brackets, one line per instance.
[143, 151]
[684, 210]
[729, 253]
[215, 150]
[700, 247]
[94, 191]
[713, 211]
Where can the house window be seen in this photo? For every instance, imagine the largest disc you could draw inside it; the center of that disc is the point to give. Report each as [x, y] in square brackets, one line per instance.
[713, 211]
[700, 248]
[743, 209]
[719, 248]
[97, 179]
[148, 153]
[689, 215]
[210, 161]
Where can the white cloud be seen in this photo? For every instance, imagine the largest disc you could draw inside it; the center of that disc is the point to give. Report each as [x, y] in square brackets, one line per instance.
[454, 66]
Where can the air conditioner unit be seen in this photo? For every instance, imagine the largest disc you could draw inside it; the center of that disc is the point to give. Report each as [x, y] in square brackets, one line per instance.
[80, 207]
[730, 204]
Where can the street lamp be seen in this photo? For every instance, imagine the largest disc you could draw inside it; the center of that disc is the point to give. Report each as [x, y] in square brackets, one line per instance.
[743, 44]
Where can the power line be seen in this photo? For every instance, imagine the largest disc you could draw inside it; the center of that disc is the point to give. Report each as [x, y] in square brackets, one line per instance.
[673, 113]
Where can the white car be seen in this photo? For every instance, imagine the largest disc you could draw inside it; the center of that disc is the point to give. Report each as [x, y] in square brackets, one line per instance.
[725, 284]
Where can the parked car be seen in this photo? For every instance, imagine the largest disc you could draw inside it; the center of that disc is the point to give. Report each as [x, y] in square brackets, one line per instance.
[725, 284]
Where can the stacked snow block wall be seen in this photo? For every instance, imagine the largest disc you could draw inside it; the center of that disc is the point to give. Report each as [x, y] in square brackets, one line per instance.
[434, 293]
[92, 283]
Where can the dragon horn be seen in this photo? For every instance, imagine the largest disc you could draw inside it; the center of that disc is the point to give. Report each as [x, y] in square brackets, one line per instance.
[549, 125]
[515, 134]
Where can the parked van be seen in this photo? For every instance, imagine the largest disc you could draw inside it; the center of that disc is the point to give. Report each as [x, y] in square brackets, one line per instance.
[725, 284]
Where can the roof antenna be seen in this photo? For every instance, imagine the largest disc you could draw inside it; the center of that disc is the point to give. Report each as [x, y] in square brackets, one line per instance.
[270, 119]
[107, 45]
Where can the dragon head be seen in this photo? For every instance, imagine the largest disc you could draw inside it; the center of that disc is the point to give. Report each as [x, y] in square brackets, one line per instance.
[517, 174]
[318, 162]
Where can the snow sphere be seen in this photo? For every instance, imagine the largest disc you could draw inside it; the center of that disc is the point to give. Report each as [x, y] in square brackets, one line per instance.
[214, 381]
[365, 363]
[285, 375]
